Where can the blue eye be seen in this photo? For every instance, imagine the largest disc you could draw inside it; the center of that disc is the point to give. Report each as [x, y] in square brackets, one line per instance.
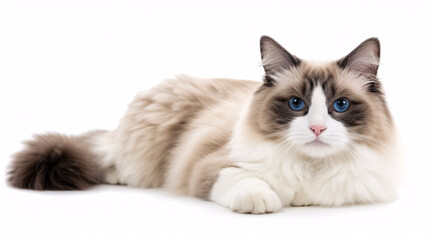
[341, 105]
[296, 103]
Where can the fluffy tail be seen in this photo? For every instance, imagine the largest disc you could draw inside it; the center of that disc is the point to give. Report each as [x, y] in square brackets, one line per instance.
[55, 162]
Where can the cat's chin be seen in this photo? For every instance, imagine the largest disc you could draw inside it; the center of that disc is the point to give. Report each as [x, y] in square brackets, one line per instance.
[318, 149]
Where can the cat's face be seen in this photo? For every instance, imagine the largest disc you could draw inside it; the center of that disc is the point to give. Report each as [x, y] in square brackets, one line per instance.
[321, 109]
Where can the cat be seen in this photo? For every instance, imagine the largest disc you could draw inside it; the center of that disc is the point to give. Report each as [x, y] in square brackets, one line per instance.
[312, 133]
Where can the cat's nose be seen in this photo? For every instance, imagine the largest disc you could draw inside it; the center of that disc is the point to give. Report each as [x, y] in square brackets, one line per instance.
[317, 129]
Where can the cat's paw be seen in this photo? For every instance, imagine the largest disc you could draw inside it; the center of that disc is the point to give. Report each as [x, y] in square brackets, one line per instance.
[255, 199]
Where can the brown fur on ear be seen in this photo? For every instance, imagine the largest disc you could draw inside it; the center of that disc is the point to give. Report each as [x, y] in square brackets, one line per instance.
[54, 162]
[275, 59]
[364, 59]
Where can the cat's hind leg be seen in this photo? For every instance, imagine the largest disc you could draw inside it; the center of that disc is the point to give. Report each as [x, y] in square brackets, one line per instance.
[110, 175]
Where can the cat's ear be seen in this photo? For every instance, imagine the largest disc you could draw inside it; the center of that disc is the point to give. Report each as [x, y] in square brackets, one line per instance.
[364, 59]
[275, 59]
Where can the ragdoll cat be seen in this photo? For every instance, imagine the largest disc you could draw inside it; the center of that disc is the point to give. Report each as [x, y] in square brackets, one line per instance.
[310, 134]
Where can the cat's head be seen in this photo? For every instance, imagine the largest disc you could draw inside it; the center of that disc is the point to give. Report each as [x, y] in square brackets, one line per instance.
[321, 108]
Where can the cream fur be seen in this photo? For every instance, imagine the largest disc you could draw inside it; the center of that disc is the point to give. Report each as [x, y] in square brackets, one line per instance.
[170, 128]
[239, 144]
[363, 175]
[148, 149]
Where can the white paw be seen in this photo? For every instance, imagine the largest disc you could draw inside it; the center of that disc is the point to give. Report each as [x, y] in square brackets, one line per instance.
[255, 199]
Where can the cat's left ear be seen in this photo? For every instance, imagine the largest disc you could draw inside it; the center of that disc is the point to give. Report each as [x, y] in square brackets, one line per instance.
[364, 59]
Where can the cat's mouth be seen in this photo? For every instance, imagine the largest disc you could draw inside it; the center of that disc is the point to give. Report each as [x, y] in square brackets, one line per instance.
[317, 143]
[317, 148]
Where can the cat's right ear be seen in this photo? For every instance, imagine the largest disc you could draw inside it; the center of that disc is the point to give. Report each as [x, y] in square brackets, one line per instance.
[275, 59]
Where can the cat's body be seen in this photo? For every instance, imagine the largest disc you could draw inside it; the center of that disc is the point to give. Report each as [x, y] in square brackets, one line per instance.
[249, 147]
[189, 119]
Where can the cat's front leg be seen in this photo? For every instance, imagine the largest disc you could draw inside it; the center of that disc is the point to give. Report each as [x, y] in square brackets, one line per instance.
[244, 193]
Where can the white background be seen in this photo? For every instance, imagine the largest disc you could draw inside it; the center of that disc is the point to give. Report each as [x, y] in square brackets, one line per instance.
[72, 66]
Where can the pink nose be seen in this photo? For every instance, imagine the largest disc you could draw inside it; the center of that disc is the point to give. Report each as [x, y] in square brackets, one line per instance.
[318, 129]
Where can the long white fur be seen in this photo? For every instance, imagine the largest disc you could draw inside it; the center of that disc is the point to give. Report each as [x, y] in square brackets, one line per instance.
[296, 173]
